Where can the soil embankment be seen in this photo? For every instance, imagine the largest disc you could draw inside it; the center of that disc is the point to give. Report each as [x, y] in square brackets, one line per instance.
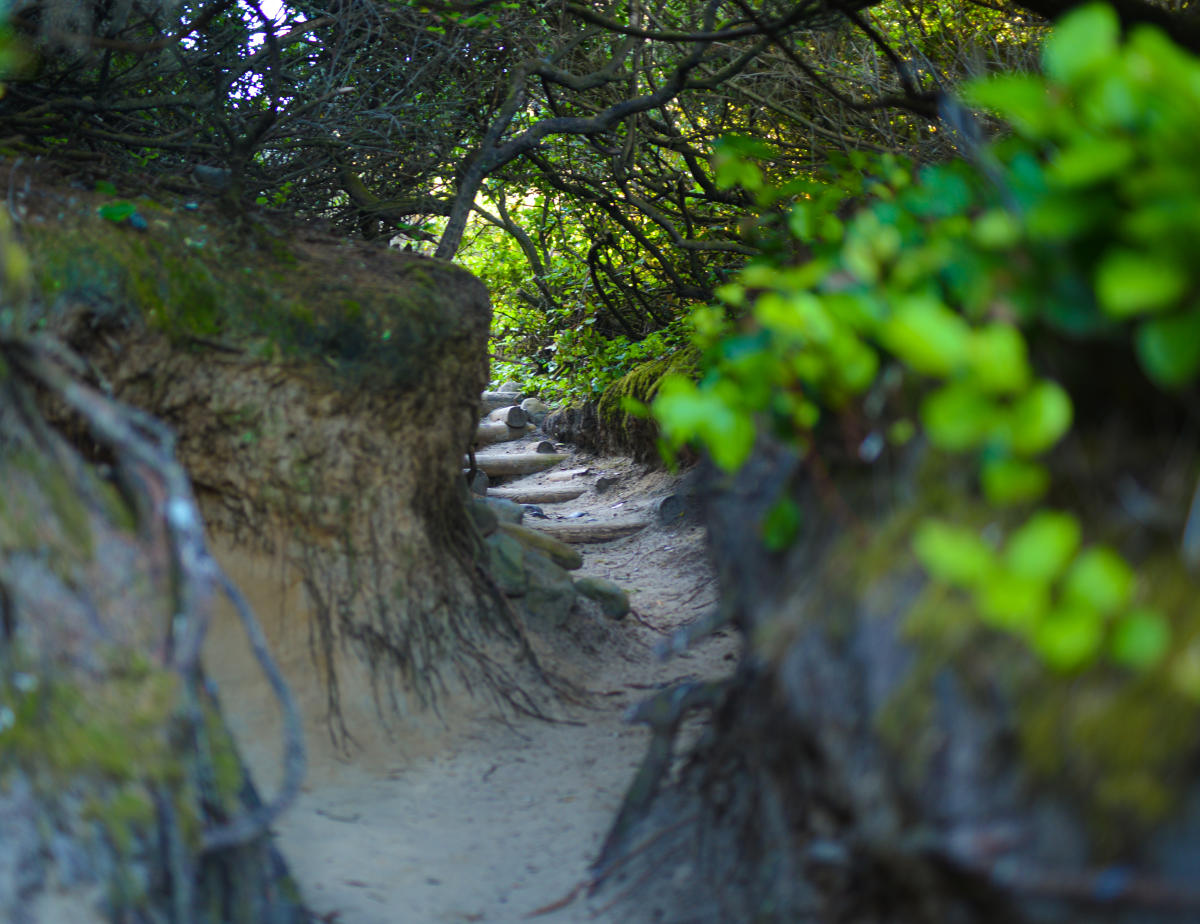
[490, 819]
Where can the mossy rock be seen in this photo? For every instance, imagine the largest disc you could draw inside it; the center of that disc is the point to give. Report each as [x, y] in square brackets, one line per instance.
[613, 600]
[550, 596]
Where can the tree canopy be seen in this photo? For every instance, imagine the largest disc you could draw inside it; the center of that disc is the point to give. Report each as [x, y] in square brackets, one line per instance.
[585, 159]
[576, 128]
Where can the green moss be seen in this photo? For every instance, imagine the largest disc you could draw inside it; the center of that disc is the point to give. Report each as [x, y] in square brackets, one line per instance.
[198, 282]
[116, 740]
[20, 516]
[69, 509]
[48, 512]
[641, 383]
[227, 775]
[1122, 743]
[126, 816]
[118, 729]
[635, 432]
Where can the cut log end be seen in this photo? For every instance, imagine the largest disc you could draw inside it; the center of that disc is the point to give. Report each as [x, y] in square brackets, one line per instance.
[497, 431]
[512, 415]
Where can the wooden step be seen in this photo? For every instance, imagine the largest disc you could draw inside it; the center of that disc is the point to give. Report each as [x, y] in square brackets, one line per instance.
[537, 494]
[575, 532]
[517, 463]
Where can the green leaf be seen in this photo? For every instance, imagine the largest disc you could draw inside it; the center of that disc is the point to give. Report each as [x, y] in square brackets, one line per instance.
[729, 437]
[927, 336]
[943, 191]
[630, 405]
[745, 146]
[1021, 99]
[805, 414]
[734, 171]
[1168, 348]
[901, 432]
[1062, 215]
[1100, 579]
[1129, 282]
[860, 258]
[1040, 418]
[996, 229]
[1083, 42]
[733, 162]
[681, 407]
[858, 311]
[1089, 160]
[1008, 482]
[1069, 638]
[117, 211]
[801, 221]
[831, 228]
[106, 188]
[998, 359]
[958, 417]
[854, 363]
[1009, 601]
[1043, 546]
[781, 525]
[731, 293]
[953, 554]
[1140, 638]
[800, 314]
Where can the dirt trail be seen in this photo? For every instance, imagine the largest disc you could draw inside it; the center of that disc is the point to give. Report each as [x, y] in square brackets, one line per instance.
[490, 820]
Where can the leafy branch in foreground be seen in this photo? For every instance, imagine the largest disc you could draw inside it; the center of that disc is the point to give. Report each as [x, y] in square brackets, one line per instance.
[1083, 223]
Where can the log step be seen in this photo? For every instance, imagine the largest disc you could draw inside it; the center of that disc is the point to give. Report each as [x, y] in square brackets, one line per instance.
[497, 431]
[537, 494]
[567, 474]
[552, 547]
[490, 400]
[576, 533]
[518, 463]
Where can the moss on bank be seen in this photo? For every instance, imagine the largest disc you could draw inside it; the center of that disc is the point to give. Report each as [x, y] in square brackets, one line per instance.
[206, 283]
[635, 433]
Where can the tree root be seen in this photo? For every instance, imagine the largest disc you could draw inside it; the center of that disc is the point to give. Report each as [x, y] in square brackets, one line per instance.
[155, 482]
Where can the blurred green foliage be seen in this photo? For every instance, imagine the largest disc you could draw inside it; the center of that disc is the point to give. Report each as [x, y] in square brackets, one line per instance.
[1084, 219]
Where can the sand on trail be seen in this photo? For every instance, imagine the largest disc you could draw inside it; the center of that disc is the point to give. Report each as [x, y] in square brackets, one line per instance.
[475, 816]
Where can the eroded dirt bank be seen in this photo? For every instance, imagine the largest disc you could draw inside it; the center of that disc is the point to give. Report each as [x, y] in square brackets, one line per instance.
[483, 818]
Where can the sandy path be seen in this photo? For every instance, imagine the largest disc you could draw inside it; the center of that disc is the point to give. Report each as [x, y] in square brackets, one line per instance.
[494, 820]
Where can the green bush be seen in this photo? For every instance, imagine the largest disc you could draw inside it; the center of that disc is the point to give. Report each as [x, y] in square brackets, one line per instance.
[1084, 219]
